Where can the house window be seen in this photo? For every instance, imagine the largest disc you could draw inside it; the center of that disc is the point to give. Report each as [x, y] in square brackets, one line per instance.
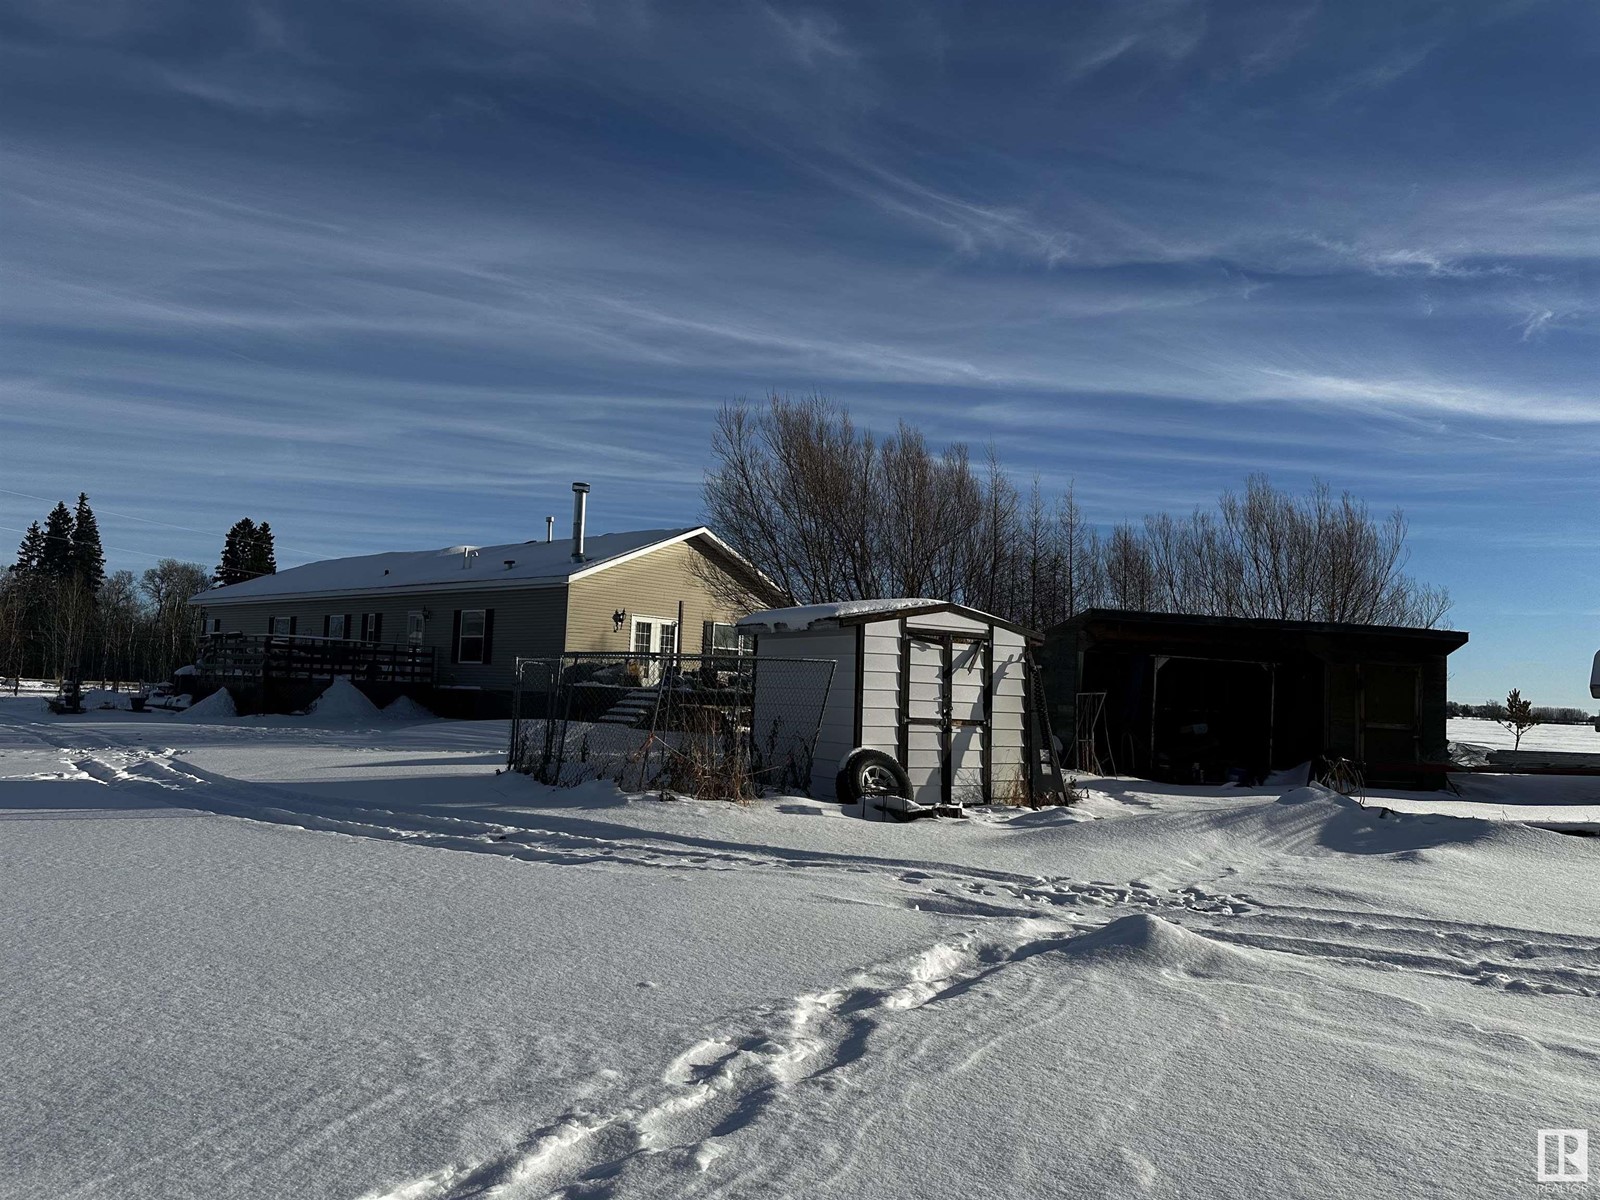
[669, 639]
[414, 628]
[280, 626]
[333, 625]
[721, 638]
[470, 648]
[212, 625]
[372, 627]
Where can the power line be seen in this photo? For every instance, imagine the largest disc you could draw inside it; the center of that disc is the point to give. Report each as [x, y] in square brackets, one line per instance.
[111, 512]
[103, 546]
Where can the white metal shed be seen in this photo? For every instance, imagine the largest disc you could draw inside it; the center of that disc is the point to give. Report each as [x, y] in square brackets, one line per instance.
[940, 687]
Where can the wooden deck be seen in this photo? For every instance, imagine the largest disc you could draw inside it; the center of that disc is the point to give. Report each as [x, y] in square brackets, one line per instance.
[233, 659]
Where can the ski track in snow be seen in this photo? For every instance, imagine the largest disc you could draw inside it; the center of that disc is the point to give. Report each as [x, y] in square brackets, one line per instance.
[724, 1082]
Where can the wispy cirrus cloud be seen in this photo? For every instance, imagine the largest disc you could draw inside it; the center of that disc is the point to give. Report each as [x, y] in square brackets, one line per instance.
[1144, 247]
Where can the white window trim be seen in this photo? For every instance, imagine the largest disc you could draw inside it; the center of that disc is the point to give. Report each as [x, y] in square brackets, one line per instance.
[416, 627]
[655, 641]
[272, 626]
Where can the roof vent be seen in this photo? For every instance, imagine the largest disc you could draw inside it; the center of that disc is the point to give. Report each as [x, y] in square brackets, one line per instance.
[510, 562]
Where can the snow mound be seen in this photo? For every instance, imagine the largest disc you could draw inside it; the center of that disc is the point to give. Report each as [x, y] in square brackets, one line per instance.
[406, 709]
[344, 701]
[1314, 793]
[1316, 820]
[1147, 942]
[216, 707]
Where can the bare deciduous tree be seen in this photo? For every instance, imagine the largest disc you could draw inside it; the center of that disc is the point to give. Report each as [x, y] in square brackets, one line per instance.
[831, 513]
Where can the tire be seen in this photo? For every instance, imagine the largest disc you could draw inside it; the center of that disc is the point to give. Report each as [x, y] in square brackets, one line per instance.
[871, 773]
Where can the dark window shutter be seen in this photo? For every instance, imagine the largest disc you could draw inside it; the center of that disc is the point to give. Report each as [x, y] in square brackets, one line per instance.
[350, 630]
[294, 623]
[377, 627]
[455, 638]
[708, 637]
[488, 633]
[327, 624]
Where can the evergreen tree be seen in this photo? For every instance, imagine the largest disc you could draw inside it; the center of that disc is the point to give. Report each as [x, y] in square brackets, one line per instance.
[262, 559]
[88, 558]
[56, 559]
[30, 554]
[237, 547]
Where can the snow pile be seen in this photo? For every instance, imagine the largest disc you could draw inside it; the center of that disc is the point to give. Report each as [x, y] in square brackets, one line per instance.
[406, 709]
[343, 701]
[216, 707]
[1145, 942]
[804, 616]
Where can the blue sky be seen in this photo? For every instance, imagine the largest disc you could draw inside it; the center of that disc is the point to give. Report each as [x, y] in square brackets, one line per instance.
[390, 275]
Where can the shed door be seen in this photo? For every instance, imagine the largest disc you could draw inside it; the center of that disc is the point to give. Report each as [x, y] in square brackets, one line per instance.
[946, 718]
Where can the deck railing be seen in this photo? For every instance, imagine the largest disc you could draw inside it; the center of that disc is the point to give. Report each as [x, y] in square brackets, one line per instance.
[258, 658]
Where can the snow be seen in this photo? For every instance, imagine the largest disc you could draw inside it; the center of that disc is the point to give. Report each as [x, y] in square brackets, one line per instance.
[343, 701]
[1474, 731]
[218, 706]
[805, 616]
[289, 956]
[533, 562]
[404, 708]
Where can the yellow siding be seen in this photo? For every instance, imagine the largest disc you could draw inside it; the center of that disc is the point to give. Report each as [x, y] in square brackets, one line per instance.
[648, 586]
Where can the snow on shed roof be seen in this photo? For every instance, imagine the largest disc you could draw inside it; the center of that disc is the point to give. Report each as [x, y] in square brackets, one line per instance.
[804, 616]
[534, 564]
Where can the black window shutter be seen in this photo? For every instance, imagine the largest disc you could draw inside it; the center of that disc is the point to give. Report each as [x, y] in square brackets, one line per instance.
[488, 632]
[294, 623]
[708, 637]
[350, 630]
[377, 627]
[327, 624]
[455, 638]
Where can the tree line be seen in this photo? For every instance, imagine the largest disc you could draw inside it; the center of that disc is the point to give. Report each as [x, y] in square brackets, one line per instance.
[1495, 710]
[831, 512]
[62, 616]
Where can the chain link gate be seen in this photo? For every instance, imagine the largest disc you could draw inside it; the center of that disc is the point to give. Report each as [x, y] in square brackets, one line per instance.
[715, 726]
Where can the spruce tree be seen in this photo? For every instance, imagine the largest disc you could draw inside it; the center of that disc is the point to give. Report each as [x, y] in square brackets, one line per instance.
[56, 560]
[30, 554]
[88, 558]
[237, 547]
[262, 560]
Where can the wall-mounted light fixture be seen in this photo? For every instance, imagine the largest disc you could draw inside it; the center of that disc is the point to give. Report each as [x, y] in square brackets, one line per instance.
[617, 618]
[427, 614]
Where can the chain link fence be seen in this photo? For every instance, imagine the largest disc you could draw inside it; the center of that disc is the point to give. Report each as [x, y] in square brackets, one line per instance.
[716, 726]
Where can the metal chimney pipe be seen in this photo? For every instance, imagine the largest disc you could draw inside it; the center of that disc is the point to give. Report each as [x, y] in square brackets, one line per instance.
[549, 530]
[580, 505]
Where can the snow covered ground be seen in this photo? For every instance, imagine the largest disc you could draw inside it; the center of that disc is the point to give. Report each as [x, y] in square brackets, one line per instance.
[340, 956]
[1581, 739]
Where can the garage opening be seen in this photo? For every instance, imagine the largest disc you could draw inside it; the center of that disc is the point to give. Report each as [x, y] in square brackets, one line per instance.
[1213, 720]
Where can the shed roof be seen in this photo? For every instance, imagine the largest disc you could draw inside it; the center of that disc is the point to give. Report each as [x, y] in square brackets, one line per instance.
[1445, 640]
[859, 612]
[532, 564]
